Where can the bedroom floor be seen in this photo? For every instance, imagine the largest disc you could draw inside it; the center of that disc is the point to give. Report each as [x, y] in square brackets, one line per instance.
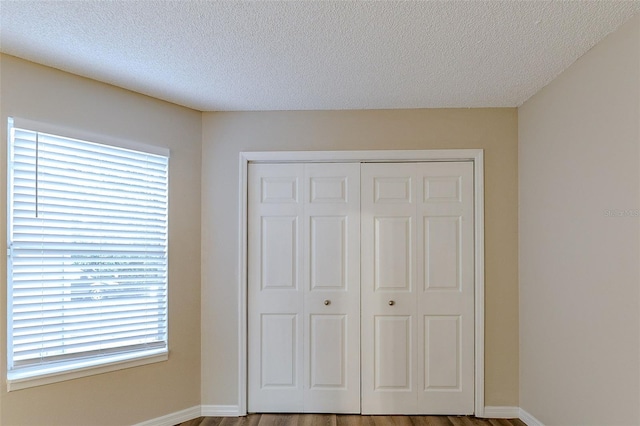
[348, 420]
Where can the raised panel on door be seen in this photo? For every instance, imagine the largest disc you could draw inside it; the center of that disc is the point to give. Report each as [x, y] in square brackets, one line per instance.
[328, 252]
[392, 350]
[446, 288]
[442, 360]
[278, 350]
[328, 352]
[392, 253]
[278, 252]
[332, 288]
[388, 216]
[442, 257]
[275, 290]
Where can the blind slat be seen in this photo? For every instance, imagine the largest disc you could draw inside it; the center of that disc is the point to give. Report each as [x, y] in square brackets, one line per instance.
[88, 344]
[86, 321]
[86, 310]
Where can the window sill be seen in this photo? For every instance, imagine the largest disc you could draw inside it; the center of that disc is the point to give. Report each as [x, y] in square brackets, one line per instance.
[27, 378]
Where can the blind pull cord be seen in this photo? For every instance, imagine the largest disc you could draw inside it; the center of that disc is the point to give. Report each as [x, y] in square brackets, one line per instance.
[37, 158]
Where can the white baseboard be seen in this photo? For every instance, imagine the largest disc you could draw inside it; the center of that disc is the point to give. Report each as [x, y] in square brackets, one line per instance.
[173, 418]
[501, 412]
[220, 410]
[529, 419]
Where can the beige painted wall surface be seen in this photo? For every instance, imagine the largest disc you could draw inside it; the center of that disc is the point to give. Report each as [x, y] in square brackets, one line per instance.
[579, 273]
[133, 395]
[226, 134]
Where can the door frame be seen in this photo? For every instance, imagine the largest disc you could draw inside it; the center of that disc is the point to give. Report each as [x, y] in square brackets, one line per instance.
[476, 156]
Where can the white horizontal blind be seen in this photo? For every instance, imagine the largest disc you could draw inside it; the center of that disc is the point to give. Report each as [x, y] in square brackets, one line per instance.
[87, 250]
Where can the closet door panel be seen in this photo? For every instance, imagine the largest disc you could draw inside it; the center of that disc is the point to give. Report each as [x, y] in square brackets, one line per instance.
[389, 362]
[446, 291]
[276, 292]
[332, 288]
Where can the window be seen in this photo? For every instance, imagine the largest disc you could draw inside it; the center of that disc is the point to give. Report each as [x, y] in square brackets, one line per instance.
[87, 269]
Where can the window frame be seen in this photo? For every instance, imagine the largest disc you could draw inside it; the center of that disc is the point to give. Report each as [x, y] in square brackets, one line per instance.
[38, 375]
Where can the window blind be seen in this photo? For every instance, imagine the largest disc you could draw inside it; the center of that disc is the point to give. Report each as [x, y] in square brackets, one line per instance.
[87, 251]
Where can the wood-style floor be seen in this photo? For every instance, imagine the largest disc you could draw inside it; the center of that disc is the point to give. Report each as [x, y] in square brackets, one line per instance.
[348, 420]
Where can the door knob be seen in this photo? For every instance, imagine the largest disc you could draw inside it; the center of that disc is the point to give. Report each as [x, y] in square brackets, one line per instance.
[391, 303]
[327, 302]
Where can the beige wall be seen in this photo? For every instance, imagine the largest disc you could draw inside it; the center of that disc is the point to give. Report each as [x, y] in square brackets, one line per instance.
[136, 394]
[579, 269]
[226, 134]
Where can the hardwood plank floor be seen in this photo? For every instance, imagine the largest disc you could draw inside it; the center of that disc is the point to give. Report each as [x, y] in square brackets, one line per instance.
[348, 420]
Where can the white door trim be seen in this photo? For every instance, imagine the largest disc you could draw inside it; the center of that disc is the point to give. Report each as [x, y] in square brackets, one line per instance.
[474, 155]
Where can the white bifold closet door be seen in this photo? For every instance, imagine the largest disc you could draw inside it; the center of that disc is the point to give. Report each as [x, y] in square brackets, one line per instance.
[304, 288]
[417, 288]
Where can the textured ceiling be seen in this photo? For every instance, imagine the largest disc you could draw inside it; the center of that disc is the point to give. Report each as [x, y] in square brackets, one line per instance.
[300, 55]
